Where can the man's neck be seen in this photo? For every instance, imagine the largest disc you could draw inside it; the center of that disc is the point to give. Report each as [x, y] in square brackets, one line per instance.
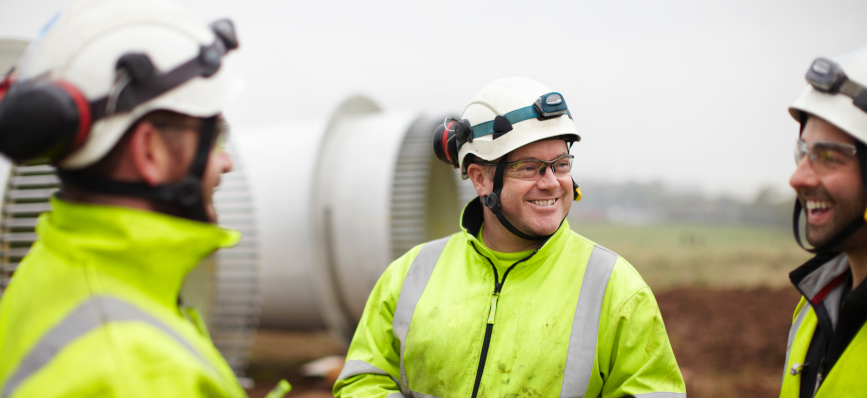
[499, 239]
[72, 194]
[855, 248]
[858, 264]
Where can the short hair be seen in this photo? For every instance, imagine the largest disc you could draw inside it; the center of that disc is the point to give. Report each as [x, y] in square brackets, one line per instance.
[166, 122]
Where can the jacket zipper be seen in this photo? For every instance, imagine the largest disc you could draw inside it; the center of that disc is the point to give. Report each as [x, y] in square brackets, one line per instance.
[819, 376]
[489, 328]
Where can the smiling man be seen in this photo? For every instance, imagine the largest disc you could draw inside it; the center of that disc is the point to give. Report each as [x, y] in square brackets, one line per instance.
[827, 341]
[515, 305]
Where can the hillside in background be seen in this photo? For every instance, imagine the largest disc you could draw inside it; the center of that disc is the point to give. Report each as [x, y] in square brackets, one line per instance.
[637, 203]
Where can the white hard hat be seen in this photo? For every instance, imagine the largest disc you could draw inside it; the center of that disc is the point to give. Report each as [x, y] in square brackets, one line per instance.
[500, 97]
[82, 46]
[836, 108]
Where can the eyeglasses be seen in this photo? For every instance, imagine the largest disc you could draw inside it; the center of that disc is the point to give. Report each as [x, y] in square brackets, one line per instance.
[223, 130]
[221, 133]
[534, 169]
[826, 156]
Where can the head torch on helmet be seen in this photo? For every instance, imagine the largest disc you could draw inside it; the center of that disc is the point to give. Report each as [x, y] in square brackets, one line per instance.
[453, 133]
[827, 76]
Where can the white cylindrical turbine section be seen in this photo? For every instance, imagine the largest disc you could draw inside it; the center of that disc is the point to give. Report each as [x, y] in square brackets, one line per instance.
[337, 203]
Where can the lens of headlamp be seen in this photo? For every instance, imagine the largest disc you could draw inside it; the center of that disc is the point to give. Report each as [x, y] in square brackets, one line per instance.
[824, 75]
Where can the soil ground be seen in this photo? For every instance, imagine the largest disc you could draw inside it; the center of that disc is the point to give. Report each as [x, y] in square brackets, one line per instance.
[728, 343]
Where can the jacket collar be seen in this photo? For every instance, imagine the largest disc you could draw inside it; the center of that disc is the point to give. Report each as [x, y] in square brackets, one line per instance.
[821, 281]
[471, 221]
[150, 251]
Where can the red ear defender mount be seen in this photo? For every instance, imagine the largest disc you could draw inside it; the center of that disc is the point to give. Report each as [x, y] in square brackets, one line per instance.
[448, 139]
[40, 119]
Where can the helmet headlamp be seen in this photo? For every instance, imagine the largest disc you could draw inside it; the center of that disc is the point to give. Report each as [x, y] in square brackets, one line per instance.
[550, 105]
[827, 76]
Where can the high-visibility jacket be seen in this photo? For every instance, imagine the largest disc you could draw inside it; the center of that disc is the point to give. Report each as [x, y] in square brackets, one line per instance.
[572, 320]
[822, 282]
[92, 310]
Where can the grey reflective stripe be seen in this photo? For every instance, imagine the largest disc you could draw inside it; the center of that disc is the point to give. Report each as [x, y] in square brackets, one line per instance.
[395, 395]
[793, 332]
[355, 367]
[661, 395]
[585, 325]
[88, 316]
[413, 286]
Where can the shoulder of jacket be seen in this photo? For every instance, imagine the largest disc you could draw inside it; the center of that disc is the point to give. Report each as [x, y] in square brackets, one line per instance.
[622, 268]
[398, 268]
[801, 303]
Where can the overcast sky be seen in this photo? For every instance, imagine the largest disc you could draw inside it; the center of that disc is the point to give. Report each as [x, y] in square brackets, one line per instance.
[692, 93]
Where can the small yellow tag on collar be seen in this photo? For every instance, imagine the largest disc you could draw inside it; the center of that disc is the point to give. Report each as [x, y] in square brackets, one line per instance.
[578, 191]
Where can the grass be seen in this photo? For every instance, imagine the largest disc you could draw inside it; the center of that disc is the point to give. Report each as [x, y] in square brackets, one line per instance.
[671, 255]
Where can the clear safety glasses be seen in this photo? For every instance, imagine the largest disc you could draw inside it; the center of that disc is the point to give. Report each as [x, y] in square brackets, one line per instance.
[221, 134]
[826, 156]
[223, 130]
[534, 169]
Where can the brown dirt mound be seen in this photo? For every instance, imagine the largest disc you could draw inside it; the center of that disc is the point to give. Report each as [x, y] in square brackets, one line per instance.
[729, 343]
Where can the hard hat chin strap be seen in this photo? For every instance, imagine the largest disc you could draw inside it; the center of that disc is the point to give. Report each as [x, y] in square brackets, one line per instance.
[851, 228]
[186, 194]
[492, 201]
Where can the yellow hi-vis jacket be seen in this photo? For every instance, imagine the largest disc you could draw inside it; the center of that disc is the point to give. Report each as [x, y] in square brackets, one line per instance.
[92, 311]
[572, 320]
[821, 283]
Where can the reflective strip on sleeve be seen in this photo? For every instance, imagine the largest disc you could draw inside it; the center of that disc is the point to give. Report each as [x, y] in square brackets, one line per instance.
[793, 332]
[355, 367]
[88, 316]
[413, 286]
[661, 395]
[585, 325]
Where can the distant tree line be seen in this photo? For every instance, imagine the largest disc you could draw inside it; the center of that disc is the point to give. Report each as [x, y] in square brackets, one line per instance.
[642, 203]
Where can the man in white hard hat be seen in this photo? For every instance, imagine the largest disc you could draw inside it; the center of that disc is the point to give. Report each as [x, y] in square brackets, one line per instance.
[828, 342]
[516, 304]
[124, 98]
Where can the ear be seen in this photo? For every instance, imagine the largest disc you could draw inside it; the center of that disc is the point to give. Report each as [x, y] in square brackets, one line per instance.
[479, 176]
[150, 154]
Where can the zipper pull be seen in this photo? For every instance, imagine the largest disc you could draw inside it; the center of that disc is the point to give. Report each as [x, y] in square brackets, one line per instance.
[819, 376]
[798, 368]
[494, 298]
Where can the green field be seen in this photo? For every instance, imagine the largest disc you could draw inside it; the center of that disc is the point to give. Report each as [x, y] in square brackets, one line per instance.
[669, 255]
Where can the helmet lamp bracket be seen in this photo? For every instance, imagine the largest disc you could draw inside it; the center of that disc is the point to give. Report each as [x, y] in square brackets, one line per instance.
[827, 76]
[550, 105]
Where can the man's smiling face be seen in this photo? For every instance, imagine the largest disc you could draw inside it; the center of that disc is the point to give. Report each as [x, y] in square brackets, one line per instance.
[537, 207]
[832, 199]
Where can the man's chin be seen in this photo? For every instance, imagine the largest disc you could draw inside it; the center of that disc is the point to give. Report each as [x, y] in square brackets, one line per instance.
[817, 237]
[544, 230]
[212, 213]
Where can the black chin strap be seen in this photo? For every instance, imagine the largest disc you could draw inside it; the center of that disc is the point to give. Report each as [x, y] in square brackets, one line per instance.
[851, 228]
[187, 193]
[492, 201]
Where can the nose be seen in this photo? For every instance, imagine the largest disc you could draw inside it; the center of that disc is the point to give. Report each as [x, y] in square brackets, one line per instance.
[548, 181]
[804, 176]
[226, 162]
